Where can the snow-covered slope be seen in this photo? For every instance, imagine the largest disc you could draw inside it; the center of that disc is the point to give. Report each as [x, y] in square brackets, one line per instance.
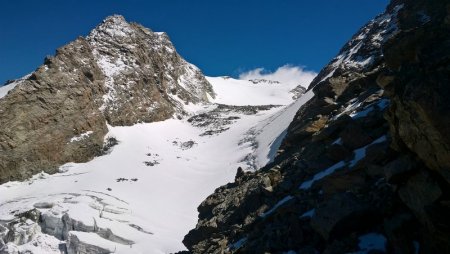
[142, 197]
[245, 92]
[270, 132]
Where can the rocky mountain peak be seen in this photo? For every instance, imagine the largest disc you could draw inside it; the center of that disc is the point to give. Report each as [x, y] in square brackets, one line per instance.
[121, 74]
[116, 19]
[116, 28]
[112, 27]
[132, 57]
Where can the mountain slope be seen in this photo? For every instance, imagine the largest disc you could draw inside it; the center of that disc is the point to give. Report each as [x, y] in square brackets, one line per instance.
[361, 169]
[141, 197]
[121, 74]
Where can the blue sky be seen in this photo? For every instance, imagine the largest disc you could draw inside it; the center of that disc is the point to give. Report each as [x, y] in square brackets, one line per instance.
[222, 37]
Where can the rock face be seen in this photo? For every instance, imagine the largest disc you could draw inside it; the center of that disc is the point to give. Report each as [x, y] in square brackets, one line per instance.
[146, 79]
[418, 84]
[121, 74]
[366, 156]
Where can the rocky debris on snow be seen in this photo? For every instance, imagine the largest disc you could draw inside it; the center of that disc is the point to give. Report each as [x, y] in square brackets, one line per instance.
[369, 166]
[154, 159]
[140, 229]
[121, 74]
[151, 163]
[185, 145]
[188, 144]
[217, 120]
[298, 91]
[122, 179]
[264, 81]
[108, 145]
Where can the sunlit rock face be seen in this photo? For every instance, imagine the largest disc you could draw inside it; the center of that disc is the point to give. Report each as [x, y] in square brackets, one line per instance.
[120, 74]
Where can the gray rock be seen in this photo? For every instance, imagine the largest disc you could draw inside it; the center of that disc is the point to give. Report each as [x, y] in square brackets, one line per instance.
[121, 74]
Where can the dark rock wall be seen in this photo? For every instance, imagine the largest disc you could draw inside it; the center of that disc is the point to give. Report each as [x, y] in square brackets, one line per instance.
[418, 82]
[358, 160]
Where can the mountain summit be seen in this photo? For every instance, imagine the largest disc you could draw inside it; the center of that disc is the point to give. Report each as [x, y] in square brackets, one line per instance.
[121, 74]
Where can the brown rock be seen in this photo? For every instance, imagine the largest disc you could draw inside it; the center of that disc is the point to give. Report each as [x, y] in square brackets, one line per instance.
[59, 113]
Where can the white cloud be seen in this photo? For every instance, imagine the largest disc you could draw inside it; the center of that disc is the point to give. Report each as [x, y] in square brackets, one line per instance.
[288, 74]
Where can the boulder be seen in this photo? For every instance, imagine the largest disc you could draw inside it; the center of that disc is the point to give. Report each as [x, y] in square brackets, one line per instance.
[342, 213]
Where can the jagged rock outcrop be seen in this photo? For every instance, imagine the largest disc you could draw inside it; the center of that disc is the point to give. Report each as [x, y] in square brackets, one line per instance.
[362, 169]
[121, 74]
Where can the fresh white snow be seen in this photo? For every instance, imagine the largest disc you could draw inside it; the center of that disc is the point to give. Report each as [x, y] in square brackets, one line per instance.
[244, 92]
[269, 133]
[146, 191]
[277, 205]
